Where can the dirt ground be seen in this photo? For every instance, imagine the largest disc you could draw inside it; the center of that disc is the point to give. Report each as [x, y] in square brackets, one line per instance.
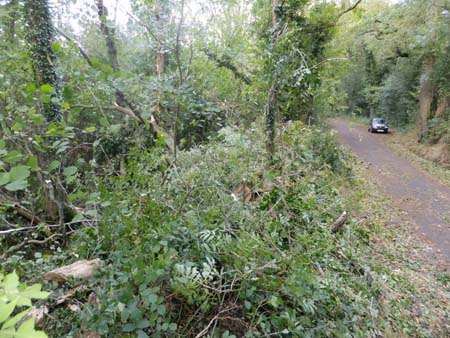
[423, 199]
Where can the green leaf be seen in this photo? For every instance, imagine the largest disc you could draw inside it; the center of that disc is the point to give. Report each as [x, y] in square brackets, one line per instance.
[69, 171]
[46, 88]
[17, 126]
[130, 327]
[152, 299]
[68, 93]
[14, 320]
[141, 334]
[31, 87]
[13, 157]
[53, 165]
[56, 46]
[34, 292]
[78, 217]
[143, 324]
[90, 129]
[26, 330]
[19, 173]
[8, 333]
[104, 122]
[6, 309]
[17, 185]
[4, 178]
[11, 282]
[45, 98]
[33, 163]
[37, 119]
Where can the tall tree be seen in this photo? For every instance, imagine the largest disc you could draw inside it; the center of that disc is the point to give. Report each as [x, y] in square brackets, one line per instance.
[271, 107]
[40, 34]
[160, 9]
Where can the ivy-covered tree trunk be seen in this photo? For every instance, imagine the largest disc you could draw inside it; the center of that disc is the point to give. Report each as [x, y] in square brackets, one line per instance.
[40, 34]
[108, 34]
[271, 107]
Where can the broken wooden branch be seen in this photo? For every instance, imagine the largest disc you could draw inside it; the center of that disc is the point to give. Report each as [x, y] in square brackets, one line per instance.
[339, 222]
[27, 214]
[83, 269]
[30, 241]
[9, 231]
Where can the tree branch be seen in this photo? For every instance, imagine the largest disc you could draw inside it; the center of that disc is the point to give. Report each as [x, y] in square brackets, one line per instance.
[349, 9]
[81, 50]
[226, 63]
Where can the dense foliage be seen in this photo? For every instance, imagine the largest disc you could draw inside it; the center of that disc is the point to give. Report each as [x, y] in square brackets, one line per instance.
[134, 134]
[396, 65]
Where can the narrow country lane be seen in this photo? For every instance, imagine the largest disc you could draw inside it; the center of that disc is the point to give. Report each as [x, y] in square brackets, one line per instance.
[425, 201]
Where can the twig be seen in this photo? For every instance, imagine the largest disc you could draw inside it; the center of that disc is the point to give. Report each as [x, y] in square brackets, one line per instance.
[9, 231]
[32, 241]
[205, 330]
[5, 232]
[184, 201]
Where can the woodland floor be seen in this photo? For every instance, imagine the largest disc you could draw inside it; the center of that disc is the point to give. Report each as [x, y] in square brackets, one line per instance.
[421, 198]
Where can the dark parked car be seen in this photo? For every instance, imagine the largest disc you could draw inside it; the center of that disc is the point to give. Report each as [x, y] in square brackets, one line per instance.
[378, 125]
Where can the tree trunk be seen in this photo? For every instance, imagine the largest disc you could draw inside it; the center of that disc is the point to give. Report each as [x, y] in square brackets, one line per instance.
[443, 105]
[108, 34]
[425, 96]
[270, 111]
[11, 22]
[122, 101]
[271, 108]
[40, 34]
[161, 55]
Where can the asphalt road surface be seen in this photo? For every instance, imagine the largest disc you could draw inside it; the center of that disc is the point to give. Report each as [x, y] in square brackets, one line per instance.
[424, 199]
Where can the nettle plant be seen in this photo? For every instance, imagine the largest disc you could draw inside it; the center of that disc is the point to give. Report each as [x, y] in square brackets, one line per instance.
[15, 296]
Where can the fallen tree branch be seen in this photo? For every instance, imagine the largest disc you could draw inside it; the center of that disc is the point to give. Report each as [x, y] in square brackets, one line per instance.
[339, 222]
[9, 231]
[25, 213]
[31, 241]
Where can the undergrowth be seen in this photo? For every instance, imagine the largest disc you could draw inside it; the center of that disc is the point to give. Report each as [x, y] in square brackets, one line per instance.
[184, 258]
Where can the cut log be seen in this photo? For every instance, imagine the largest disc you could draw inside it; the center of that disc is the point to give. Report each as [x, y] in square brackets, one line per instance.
[81, 270]
[339, 222]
